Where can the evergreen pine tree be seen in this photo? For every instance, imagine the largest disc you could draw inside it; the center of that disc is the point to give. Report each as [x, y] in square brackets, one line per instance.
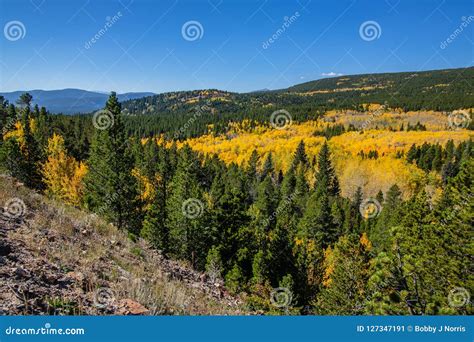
[326, 176]
[300, 155]
[111, 189]
[187, 212]
[252, 177]
[264, 211]
[379, 197]
[157, 169]
[268, 167]
[388, 217]
[317, 221]
[30, 151]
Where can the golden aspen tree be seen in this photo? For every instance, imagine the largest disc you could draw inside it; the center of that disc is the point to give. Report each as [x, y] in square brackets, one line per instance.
[62, 174]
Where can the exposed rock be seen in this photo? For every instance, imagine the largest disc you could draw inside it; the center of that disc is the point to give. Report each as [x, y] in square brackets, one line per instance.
[130, 307]
[20, 272]
[76, 276]
[4, 248]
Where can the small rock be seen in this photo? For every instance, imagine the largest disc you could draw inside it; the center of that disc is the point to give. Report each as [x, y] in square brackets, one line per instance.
[130, 307]
[5, 249]
[22, 272]
[50, 278]
[76, 276]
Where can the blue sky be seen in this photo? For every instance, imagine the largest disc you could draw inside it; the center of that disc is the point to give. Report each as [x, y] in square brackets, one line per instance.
[143, 49]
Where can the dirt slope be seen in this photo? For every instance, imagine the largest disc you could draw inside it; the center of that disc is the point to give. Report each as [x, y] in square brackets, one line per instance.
[59, 260]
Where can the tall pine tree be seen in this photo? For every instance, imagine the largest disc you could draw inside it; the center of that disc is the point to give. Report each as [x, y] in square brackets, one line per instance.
[111, 189]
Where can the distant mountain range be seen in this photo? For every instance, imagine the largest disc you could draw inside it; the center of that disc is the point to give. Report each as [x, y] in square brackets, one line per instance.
[70, 101]
[436, 89]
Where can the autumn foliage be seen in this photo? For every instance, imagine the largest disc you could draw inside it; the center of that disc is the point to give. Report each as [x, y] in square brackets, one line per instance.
[62, 174]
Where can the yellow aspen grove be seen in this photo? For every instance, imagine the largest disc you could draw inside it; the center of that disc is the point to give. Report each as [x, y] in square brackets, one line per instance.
[63, 174]
[17, 131]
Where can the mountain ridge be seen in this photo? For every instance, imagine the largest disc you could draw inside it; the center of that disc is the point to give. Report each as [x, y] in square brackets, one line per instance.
[71, 100]
[359, 88]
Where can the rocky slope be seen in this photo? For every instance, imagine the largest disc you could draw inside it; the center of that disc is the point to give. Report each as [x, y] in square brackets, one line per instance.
[59, 260]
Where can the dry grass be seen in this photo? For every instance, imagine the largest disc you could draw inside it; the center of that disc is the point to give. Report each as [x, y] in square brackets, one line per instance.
[103, 257]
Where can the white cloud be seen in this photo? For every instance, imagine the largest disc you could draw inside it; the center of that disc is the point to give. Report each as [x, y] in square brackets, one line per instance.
[331, 74]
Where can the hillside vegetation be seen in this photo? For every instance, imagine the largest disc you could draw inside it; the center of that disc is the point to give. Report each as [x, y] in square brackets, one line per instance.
[438, 90]
[55, 259]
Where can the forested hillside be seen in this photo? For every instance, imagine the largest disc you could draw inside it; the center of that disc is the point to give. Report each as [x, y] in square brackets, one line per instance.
[439, 90]
[366, 210]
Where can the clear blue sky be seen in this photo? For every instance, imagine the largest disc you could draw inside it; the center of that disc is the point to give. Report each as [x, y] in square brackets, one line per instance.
[144, 49]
